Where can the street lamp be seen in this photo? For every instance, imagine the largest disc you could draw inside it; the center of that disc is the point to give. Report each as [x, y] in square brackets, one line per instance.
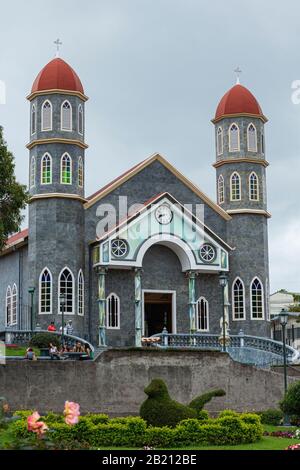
[223, 283]
[31, 292]
[62, 301]
[283, 317]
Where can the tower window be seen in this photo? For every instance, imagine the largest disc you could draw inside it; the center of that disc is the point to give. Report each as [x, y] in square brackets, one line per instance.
[46, 169]
[221, 190]
[66, 287]
[202, 314]
[80, 172]
[220, 141]
[238, 300]
[235, 187]
[113, 311]
[262, 143]
[80, 119]
[253, 187]
[47, 116]
[66, 116]
[33, 119]
[234, 138]
[80, 293]
[257, 300]
[252, 138]
[45, 292]
[32, 172]
[66, 169]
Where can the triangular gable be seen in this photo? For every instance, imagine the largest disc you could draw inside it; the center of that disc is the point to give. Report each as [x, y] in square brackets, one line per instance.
[139, 167]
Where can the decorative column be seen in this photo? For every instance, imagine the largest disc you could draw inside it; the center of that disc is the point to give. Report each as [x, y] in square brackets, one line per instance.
[102, 305]
[138, 307]
[192, 301]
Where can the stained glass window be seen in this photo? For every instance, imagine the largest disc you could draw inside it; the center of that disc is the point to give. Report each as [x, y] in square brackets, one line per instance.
[46, 292]
[202, 314]
[113, 311]
[66, 169]
[46, 169]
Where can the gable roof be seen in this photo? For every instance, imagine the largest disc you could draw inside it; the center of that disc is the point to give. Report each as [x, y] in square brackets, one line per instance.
[14, 240]
[139, 167]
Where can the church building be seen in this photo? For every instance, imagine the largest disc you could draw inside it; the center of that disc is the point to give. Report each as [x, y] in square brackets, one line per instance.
[147, 251]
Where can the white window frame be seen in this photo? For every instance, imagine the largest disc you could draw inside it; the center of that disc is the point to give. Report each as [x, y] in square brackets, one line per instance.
[238, 137]
[220, 135]
[80, 107]
[263, 142]
[8, 297]
[221, 185]
[248, 138]
[14, 289]
[263, 300]
[61, 168]
[231, 188]
[107, 312]
[42, 159]
[70, 129]
[80, 275]
[33, 121]
[207, 314]
[40, 292]
[42, 117]
[32, 172]
[233, 300]
[257, 187]
[73, 288]
[80, 166]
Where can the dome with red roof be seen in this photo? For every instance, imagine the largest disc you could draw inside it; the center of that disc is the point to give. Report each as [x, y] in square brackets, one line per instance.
[238, 101]
[57, 75]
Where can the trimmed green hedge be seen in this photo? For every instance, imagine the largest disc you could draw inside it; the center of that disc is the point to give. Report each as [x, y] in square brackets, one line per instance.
[100, 431]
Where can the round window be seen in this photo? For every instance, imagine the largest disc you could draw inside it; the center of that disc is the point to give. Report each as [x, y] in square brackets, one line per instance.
[207, 253]
[119, 248]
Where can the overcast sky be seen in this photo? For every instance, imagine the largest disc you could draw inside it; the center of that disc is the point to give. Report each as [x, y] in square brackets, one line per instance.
[154, 71]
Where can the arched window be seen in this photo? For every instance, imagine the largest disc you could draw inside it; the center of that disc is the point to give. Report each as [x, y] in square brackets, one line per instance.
[66, 287]
[45, 292]
[235, 187]
[221, 190]
[252, 138]
[47, 116]
[220, 141]
[262, 143]
[8, 306]
[80, 293]
[253, 187]
[66, 169]
[238, 300]
[33, 119]
[202, 314]
[32, 171]
[234, 138]
[257, 300]
[46, 169]
[113, 311]
[80, 119]
[66, 116]
[80, 172]
[14, 305]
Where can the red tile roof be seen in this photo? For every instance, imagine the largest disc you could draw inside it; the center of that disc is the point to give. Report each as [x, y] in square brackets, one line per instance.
[57, 75]
[20, 236]
[238, 100]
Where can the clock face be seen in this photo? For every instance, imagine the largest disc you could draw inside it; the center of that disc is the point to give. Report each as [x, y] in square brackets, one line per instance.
[164, 214]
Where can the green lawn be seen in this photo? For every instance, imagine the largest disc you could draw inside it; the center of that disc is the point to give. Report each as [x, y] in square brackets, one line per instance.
[20, 351]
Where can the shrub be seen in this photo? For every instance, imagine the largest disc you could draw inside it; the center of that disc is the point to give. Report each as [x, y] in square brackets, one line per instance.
[199, 402]
[228, 413]
[42, 340]
[291, 401]
[23, 413]
[203, 415]
[295, 420]
[271, 416]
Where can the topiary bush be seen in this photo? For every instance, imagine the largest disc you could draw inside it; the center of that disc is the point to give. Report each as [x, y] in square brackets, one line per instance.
[42, 340]
[160, 410]
[271, 416]
[228, 413]
[291, 401]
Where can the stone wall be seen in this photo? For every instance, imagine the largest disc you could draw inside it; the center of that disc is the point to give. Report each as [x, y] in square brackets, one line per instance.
[114, 383]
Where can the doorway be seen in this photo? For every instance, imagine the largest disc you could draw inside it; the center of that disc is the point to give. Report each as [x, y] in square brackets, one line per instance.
[159, 312]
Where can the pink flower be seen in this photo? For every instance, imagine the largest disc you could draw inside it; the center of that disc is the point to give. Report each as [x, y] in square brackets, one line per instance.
[71, 413]
[34, 425]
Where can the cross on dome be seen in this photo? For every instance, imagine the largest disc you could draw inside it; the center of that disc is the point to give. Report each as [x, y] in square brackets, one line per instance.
[238, 74]
[58, 44]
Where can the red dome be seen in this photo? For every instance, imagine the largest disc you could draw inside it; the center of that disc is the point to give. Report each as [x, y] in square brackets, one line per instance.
[238, 100]
[57, 75]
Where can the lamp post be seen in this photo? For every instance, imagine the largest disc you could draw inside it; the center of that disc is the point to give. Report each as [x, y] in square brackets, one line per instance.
[283, 322]
[223, 283]
[62, 301]
[31, 293]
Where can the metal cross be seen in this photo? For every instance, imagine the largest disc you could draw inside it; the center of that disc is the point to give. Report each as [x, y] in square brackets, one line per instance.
[58, 43]
[238, 73]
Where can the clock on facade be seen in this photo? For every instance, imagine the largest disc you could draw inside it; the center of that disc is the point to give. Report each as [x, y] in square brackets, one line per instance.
[163, 214]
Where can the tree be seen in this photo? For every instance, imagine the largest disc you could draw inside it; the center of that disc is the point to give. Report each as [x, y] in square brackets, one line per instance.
[13, 195]
[291, 401]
